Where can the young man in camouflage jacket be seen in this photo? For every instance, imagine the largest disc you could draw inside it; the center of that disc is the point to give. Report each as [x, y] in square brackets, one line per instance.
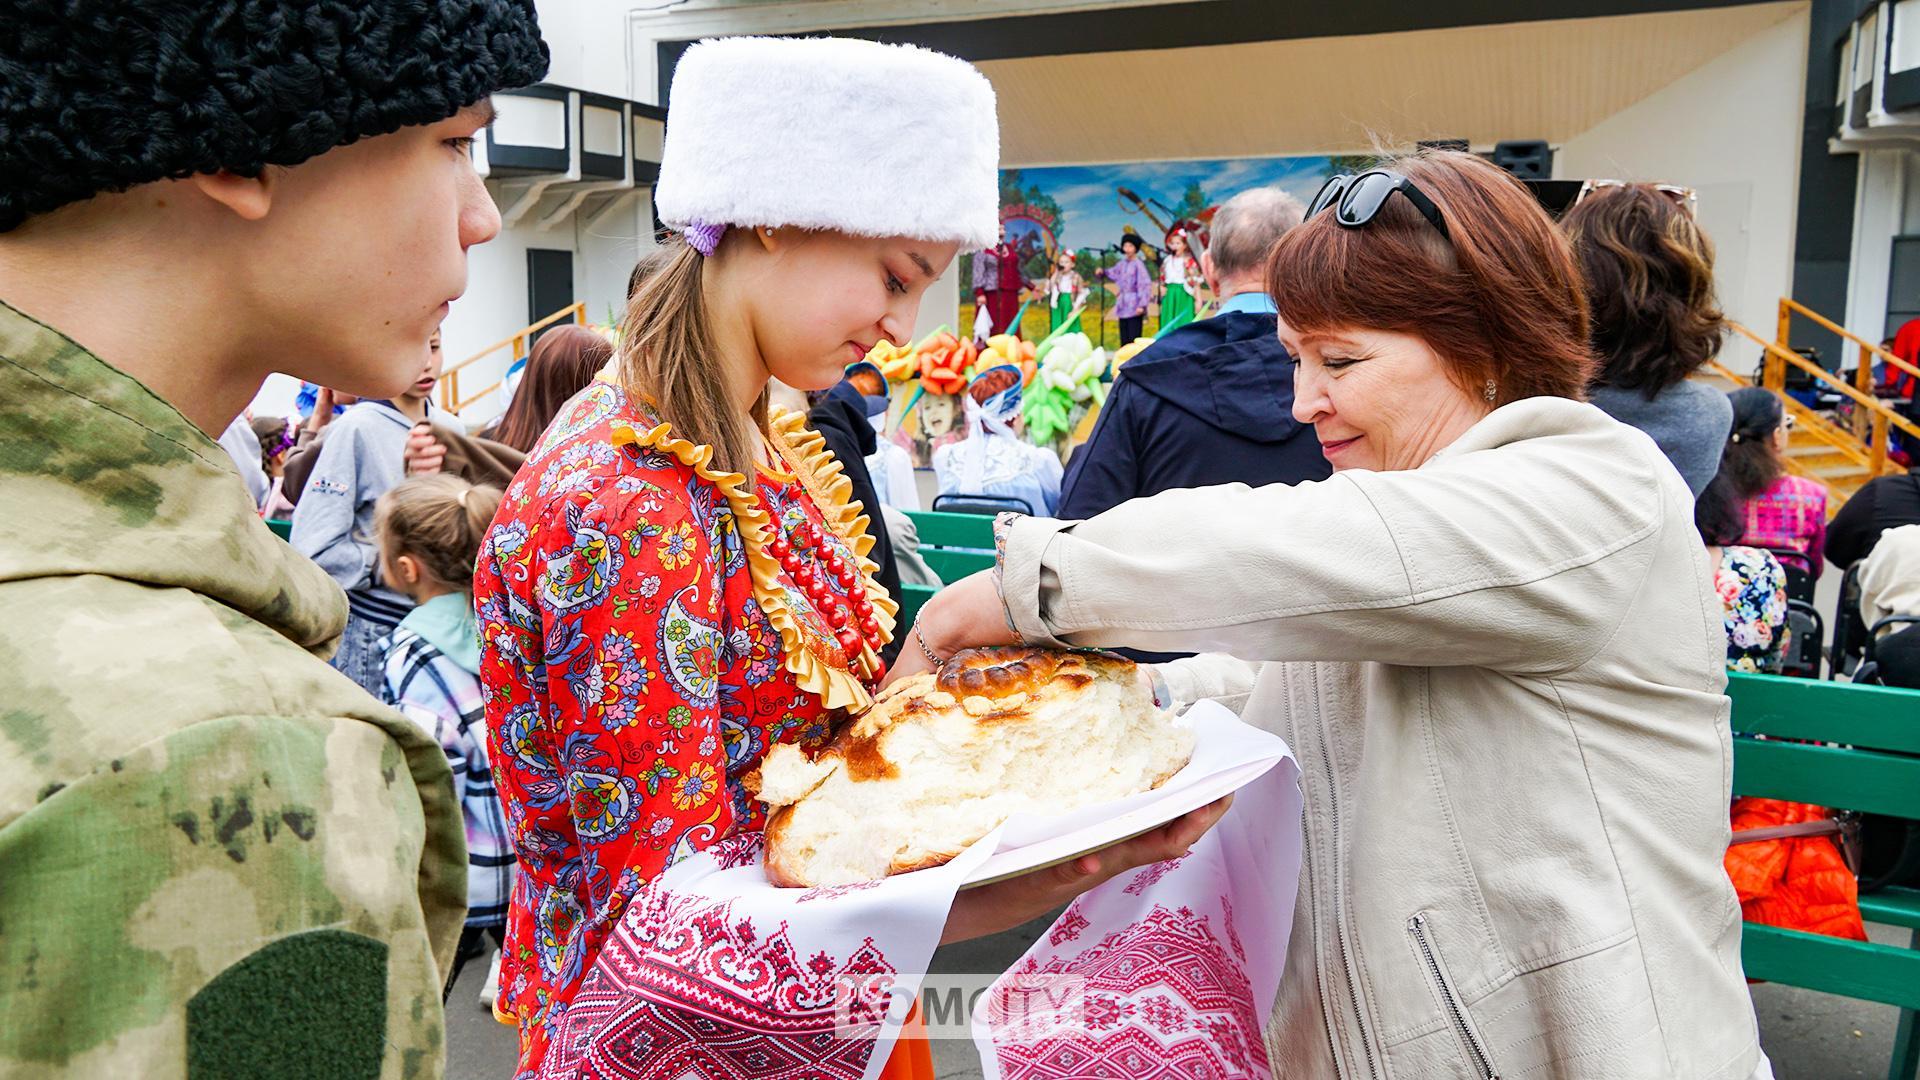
[217, 855]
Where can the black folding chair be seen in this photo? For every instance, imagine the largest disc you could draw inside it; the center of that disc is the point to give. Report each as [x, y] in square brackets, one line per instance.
[1869, 669]
[1808, 641]
[957, 503]
[1799, 582]
[1848, 630]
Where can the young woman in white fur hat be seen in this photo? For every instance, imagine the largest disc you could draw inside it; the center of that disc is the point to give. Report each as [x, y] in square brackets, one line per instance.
[676, 579]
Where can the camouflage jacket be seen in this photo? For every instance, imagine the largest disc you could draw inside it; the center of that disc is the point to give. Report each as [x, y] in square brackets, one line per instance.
[218, 856]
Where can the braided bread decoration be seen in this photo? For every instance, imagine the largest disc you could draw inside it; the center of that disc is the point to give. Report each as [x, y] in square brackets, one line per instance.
[943, 758]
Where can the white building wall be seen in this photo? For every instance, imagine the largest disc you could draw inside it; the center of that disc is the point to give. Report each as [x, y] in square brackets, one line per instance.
[587, 41]
[495, 305]
[1886, 205]
[1879, 212]
[609, 245]
[1731, 130]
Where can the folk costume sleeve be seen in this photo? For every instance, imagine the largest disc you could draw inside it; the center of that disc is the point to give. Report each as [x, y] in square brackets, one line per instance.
[650, 627]
[637, 577]
[603, 713]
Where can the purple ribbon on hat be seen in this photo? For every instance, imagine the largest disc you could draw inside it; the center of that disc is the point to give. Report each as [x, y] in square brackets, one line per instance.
[704, 237]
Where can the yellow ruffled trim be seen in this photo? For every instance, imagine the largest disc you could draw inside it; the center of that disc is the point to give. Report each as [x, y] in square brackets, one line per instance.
[811, 660]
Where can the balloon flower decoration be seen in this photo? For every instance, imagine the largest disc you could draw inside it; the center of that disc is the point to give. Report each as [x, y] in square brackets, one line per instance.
[1010, 350]
[1068, 379]
[945, 363]
[896, 362]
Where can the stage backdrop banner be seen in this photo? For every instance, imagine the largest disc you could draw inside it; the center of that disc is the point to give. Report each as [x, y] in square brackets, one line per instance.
[1086, 209]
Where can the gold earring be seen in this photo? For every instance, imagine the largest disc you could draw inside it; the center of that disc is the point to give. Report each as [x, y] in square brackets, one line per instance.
[1492, 392]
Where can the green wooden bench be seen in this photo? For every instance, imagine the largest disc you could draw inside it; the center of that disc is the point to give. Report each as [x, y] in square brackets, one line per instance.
[1876, 770]
[954, 545]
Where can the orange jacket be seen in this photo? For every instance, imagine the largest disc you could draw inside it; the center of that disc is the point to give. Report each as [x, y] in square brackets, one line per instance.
[1800, 883]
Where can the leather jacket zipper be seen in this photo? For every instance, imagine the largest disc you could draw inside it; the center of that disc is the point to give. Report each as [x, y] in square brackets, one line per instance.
[1456, 1012]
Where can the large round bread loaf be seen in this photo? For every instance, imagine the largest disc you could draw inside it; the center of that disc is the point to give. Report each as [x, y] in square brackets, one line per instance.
[943, 758]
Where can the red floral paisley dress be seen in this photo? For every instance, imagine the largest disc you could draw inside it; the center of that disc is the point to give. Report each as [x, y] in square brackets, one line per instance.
[649, 629]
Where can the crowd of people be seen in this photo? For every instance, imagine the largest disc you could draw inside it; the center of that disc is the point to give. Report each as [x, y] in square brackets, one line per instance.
[1431, 478]
[1211, 402]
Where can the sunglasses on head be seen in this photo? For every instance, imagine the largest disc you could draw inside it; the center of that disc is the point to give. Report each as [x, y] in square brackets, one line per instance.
[1685, 198]
[1356, 198]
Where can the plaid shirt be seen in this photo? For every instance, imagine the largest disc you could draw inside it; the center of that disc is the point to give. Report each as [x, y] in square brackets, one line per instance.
[1790, 519]
[445, 699]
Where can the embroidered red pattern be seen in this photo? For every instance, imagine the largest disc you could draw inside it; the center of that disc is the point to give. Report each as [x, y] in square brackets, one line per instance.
[1163, 1001]
[1068, 926]
[1146, 878]
[684, 987]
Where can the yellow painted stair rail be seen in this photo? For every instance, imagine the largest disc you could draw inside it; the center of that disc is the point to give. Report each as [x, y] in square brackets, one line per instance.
[1840, 455]
[519, 341]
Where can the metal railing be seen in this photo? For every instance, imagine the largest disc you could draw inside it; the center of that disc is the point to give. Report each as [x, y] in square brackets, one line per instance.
[1863, 373]
[1835, 438]
[1872, 419]
[450, 396]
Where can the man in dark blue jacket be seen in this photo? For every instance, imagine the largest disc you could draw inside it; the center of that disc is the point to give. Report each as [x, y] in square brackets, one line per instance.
[1212, 402]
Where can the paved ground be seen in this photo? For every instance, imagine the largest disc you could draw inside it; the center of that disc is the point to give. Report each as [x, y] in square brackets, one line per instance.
[478, 1047]
[1810, 1036]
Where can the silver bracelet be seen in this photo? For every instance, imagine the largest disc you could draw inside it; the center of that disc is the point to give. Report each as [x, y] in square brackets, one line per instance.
[924, 651]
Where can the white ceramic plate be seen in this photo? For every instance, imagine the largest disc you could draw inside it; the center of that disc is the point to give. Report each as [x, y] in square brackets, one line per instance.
[1227, 756]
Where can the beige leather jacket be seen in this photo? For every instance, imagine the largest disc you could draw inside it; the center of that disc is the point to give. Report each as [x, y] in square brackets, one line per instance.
[1502, 675]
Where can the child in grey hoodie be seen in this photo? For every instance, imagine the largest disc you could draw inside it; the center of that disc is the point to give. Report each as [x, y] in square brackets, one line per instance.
[360, 461]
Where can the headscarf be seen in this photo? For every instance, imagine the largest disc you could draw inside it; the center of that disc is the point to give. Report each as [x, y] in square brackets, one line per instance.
[992, 401]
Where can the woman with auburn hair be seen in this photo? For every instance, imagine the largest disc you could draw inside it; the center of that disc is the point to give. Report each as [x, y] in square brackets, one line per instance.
[563, 362]
[1649, 276]
[1491, 639]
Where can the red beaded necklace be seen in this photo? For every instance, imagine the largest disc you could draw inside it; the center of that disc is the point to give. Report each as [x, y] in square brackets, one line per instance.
[815, 568]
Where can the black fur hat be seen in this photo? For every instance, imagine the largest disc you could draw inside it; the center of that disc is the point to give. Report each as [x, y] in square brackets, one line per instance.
[100, 95]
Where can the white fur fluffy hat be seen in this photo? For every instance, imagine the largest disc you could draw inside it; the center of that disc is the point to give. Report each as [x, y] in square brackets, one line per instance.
[831, 133]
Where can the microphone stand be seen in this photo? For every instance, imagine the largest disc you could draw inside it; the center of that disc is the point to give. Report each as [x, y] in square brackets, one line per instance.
[1105, 284]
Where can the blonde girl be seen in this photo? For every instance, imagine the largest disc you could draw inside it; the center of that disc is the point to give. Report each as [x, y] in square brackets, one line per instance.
[428, 531]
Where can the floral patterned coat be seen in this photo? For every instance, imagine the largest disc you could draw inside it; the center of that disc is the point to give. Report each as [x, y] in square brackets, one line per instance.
[1753, 594]
[650, 628]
